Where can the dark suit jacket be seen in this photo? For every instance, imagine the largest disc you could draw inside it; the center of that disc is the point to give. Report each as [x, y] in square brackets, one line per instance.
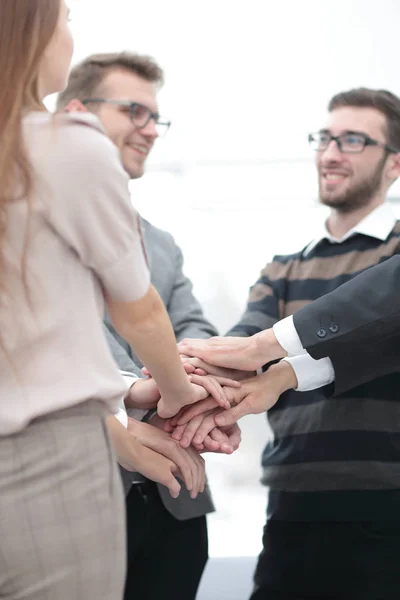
[166, 266]
[357, 326]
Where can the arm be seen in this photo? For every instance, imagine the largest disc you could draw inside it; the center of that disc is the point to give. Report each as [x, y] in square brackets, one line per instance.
[360, 326]
[235, 352]
[184, 310]
[90, 209]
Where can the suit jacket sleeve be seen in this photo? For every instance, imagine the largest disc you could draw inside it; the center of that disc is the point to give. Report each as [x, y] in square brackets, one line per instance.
[357, 326]
[184, 310]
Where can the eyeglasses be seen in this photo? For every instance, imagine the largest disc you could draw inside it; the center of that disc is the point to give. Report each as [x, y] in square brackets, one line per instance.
[349, 142]
[139, 114]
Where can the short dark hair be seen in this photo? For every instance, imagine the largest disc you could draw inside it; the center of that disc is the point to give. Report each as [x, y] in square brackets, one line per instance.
[86, 78]
[385, 102]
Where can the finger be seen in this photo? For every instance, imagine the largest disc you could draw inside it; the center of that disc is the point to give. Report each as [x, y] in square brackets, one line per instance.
[146, 372]
[229, 417]
[198, 447]
[211, 385]
[190, 431]
[172, 483]
[194, 410]
[178, 432]
[207, 368]
[168, 427]
[175, 419]
[235, 437]
[224, 442]
[200, 372]
[204, 429]
[189, 368]
[188, 473]
[227, 381]
[209, 444]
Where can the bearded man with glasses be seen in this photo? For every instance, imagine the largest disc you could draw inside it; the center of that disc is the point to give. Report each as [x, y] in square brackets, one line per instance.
[332, 465]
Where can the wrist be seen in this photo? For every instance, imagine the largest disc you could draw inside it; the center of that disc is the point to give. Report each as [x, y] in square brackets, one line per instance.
[267, 347]
[281, 377]
[126, 447]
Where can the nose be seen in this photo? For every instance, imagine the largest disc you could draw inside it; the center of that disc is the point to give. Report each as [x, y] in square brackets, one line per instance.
[332, 153]
[150, 130]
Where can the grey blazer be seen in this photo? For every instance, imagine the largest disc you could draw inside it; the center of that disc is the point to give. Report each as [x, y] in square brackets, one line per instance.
[166, 266]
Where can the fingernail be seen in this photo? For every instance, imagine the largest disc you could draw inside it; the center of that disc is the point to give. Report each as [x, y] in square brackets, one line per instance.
[226, 448]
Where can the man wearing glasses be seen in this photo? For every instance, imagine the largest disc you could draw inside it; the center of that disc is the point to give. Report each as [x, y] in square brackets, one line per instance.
[333, 463]
[167, 538]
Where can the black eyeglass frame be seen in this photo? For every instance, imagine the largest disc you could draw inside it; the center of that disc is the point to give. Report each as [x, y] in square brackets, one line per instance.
[158, 120]
[367, 141]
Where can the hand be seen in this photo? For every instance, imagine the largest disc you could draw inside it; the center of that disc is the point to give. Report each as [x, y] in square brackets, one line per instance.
[199, 367]
[228, 439]
[221, 440]
[191, 466]
[201, 387]
[143, 394]
[202, 433]
[133, 456]
[256, 395]
[246, 354]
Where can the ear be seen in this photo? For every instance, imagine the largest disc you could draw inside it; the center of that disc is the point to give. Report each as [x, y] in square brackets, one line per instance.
[75, 106]
[394, 166]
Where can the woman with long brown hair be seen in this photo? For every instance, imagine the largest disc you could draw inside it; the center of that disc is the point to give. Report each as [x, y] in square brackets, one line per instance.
[69, 240]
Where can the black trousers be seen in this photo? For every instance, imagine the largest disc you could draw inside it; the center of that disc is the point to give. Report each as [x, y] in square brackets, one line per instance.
[335, 561]
[166, 557]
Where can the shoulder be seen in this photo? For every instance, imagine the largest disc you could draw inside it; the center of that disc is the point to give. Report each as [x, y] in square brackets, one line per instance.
[71, 142]
[154, 233]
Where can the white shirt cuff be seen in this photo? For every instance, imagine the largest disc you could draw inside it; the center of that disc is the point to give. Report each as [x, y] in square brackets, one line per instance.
[129, 380]
[311, 374]
[286, 334]
[122, 417]
[135, 413]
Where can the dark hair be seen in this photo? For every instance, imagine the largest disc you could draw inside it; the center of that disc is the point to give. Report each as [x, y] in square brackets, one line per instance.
[86, 78]
[385, 102]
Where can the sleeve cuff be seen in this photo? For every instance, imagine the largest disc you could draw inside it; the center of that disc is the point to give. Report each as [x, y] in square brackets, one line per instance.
[287, 336]
[122, 417]
[311, 374]
[129, 379]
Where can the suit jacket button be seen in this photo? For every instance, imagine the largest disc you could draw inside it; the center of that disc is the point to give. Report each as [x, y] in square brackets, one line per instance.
[321, 332]
[334, 327]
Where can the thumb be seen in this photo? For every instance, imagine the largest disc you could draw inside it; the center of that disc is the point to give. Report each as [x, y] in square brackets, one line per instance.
[229, 417]
[172, 483]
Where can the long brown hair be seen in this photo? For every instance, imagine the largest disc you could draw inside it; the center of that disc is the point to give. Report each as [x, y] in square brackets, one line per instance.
[26, 28]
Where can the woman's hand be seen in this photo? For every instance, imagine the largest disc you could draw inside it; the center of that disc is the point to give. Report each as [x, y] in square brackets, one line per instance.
[201, 387]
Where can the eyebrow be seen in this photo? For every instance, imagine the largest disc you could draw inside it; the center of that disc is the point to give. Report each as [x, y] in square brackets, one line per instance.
[345, 132]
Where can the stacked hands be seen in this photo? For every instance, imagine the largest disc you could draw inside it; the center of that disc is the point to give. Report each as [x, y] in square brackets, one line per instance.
[225, 387]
